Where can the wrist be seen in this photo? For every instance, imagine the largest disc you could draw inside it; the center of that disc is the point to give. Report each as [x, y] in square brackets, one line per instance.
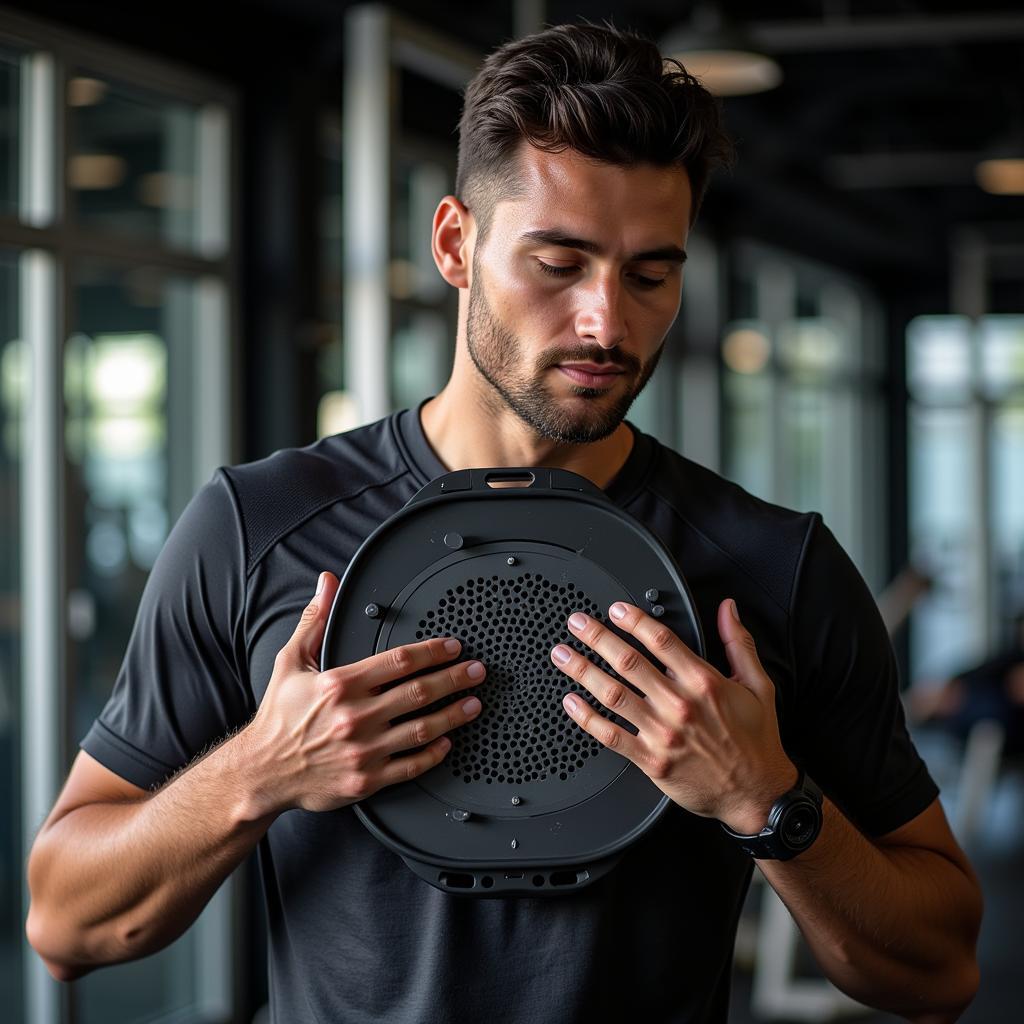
[794, 823]
[259, 792]
[750, 815]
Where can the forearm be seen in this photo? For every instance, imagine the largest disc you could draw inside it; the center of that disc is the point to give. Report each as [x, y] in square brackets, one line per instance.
[116, 881]
[894, 927]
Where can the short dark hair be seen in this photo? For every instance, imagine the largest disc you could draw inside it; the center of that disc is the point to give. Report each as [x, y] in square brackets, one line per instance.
[606, 93]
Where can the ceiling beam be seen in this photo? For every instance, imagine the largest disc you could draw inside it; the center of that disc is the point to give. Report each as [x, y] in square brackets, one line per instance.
[840, 33]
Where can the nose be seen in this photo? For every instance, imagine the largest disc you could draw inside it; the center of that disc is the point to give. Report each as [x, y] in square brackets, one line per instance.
[601, 317]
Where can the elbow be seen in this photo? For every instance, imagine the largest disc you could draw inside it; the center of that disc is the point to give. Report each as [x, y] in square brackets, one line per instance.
[71, 951]
[40, 937]
[43, 933]
[962, 976]
[963, 989]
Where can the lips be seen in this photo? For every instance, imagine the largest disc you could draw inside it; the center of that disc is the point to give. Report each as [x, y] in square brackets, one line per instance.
[592, 377]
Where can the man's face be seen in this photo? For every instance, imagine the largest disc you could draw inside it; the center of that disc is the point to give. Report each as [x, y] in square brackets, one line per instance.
[585, 266]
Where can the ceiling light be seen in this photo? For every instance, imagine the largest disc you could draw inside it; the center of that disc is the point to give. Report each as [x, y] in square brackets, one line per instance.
[166, 189]
[86, 92]
[1002, 176]
[746, 350]
[95, 171]
[720, 55]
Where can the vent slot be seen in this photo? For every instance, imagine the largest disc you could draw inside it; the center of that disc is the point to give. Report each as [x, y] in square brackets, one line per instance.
[453, 880]
[568, 877]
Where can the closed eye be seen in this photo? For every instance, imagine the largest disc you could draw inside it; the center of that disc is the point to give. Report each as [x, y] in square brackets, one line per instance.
[647, 282]
[554, 271]
[638, 279]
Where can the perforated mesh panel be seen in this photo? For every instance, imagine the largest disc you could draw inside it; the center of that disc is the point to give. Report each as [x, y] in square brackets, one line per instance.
[510, 624]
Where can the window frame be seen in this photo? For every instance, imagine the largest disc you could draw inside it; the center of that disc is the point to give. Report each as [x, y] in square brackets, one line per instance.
[51, 244]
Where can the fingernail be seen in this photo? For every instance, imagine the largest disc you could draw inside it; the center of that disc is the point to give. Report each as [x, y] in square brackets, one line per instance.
[452, 646]
[732, 608]
[561, 654]
[472, 706]
[577, 621]
[320, 582]
[475, 670]
[570, 703]
[617, 611]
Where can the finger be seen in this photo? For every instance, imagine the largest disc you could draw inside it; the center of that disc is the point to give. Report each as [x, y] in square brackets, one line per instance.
[303, 647]
[403, 769]
[612, 694]
[426, 689]
[610, 735]
[369, 674]
[741, 651]
[426, 728]
[662, 643]
[631, 664]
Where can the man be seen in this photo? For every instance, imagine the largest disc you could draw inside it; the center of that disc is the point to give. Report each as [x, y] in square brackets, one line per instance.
[582, 164]
[990, 691]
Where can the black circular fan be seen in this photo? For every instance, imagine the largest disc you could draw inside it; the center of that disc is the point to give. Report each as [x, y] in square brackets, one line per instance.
[525, 803]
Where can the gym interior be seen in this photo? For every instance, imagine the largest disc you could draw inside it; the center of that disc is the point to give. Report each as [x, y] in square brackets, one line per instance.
[215, 243]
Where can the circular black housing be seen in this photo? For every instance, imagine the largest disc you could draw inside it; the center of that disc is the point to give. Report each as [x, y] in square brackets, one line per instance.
[525, 803]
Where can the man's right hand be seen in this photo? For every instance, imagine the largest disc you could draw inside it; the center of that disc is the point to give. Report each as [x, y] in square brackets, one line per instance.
[322, 740]
[117, 872]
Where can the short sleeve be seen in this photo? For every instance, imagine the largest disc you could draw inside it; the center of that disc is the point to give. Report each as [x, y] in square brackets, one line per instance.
[850, 727]
[182, 684]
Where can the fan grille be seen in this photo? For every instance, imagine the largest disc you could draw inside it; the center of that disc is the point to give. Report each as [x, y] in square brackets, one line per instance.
[510, 623]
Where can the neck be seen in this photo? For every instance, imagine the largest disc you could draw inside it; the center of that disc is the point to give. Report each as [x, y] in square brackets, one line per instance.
[475, 431]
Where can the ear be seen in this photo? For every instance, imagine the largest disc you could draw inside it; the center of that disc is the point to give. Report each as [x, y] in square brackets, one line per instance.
[452, 241]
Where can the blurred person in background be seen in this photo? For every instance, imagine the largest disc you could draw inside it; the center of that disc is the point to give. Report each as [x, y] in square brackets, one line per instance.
[991, 691]
[583, 160]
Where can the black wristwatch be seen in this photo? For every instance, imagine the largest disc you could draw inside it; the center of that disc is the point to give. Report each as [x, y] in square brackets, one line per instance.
[793, 824]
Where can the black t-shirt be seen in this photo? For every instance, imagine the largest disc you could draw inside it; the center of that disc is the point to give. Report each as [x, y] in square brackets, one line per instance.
[355, 936]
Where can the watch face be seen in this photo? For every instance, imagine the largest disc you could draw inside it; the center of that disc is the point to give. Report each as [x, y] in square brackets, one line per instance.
[800, 825]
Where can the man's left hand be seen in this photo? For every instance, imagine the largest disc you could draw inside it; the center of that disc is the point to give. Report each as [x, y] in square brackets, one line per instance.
[708, 742]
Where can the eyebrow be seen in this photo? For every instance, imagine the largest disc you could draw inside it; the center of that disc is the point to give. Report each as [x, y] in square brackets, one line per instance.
[671, 253]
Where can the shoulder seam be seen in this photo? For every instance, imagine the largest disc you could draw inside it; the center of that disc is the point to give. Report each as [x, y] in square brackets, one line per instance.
[403, 451]
[243, 533]
[316, 510]
[700, 533]
[233, 492]
[791, 610]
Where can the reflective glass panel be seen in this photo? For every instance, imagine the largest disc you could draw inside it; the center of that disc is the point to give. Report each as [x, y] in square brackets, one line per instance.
[749, 431]
[127, 370]
[10, 131]
[423, 306]
[133, 164]
[939, 358]
[1002, 354]
[336, 408]
[804, 421]
[1007, 442]
[812, 347]
[13, 381]
[943, 479]
[800, 409]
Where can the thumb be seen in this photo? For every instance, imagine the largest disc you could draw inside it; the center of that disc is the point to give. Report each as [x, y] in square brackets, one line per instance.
[305, 642]
[741, 651]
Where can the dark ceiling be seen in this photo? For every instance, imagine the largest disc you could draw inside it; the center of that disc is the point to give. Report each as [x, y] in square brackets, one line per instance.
[863, 156]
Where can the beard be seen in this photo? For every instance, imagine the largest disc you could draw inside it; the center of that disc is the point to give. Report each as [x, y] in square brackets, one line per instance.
[498, 354]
